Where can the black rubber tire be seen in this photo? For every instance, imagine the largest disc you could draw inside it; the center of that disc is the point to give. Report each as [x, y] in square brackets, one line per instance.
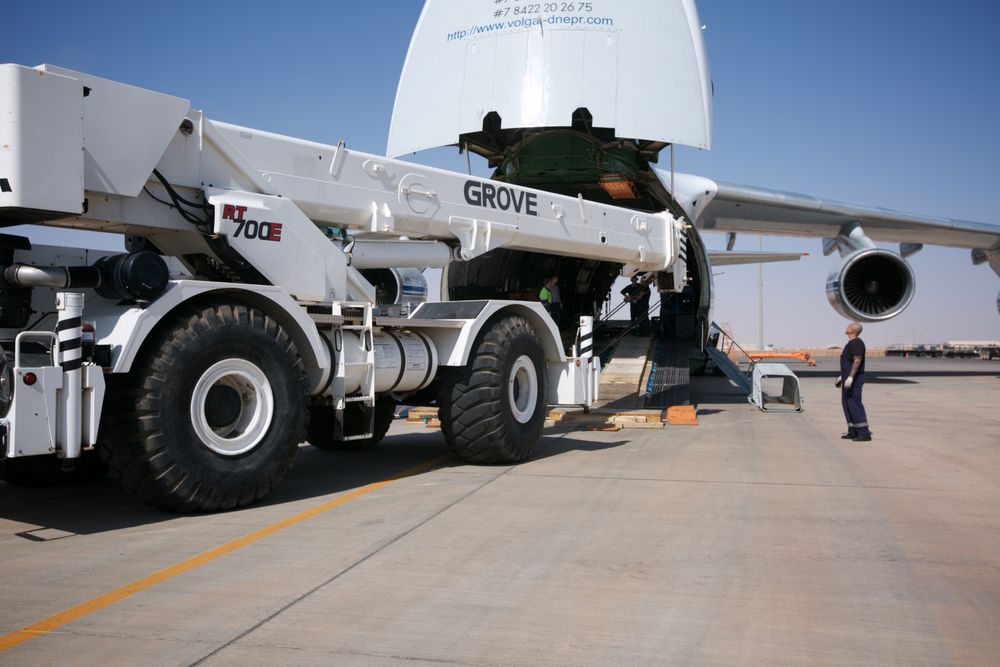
[149, 442]
[48, 470]
[475, 408]
[322, 420]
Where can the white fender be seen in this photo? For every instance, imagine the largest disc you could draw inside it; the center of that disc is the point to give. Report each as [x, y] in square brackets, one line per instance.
[125, 328]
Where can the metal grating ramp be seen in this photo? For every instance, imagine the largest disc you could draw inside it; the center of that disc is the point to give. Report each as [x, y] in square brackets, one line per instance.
[669, 380]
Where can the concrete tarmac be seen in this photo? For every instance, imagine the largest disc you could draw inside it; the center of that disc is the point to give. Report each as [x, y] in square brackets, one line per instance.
[750, 539]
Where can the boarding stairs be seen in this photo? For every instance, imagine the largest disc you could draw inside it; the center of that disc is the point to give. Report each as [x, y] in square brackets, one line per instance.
[719, 348]
[761, 380]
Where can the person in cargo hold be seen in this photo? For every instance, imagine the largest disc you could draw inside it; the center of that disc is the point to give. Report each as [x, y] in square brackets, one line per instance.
[549, 296]
[850, 381]
[637, 294]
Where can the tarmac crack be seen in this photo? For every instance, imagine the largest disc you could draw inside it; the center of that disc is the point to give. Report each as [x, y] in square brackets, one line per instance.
[668, 480]
[349, 568]
[381, 656]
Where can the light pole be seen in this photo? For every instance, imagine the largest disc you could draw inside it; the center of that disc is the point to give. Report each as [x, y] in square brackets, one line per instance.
[760, 295]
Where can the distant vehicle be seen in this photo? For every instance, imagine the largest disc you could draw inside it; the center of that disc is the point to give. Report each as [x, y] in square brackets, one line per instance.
[970, 349]
[988, 349]
[914, 350]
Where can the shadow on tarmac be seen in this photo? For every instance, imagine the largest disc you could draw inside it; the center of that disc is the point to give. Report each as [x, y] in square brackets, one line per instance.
[554, 443]
[57, 512]
[101, 506]
[900, 374]
[320, 473]
[625, 403]
[77, 509]
[897, 377]
[879, 368]
[715, 391]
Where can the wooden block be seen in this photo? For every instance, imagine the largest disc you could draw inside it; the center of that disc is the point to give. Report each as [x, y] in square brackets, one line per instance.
[628, 419]
[434, 423]
[643, 414]
[418, 419]
[604, 427]
[418, 415]
[683, 415]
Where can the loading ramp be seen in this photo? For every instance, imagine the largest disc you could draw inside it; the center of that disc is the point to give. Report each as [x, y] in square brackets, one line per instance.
[655, 372]
[669, 380]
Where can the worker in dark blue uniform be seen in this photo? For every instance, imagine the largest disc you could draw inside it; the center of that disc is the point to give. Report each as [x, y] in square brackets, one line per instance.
[637, 295]
[851, 380]
[643, 305]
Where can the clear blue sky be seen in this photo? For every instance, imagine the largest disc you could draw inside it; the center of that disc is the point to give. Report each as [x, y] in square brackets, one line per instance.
[891, 103]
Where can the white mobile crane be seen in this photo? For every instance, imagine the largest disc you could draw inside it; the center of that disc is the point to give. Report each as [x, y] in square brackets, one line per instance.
[270, 293]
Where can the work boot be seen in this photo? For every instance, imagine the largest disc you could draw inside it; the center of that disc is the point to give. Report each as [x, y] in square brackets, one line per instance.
[862, 438]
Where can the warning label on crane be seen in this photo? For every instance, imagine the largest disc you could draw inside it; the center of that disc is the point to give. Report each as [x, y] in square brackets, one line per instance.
[386, 353]
[413, 350]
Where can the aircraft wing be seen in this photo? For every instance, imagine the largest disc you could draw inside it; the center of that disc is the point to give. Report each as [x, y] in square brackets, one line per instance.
[729, 258]
[726, 207]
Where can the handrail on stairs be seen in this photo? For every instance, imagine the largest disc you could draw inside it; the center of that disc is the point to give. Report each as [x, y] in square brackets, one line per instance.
[629, 329]
[725, 335]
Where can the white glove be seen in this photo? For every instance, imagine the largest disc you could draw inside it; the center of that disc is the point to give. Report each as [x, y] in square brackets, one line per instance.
[848, 382]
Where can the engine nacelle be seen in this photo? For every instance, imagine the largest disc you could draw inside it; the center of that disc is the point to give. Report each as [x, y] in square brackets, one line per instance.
[871, 285]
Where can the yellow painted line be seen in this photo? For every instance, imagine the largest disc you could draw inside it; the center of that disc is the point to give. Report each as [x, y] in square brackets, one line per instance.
[90, 606]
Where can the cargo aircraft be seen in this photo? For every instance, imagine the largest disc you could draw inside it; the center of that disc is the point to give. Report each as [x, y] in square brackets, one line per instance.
[556, 96]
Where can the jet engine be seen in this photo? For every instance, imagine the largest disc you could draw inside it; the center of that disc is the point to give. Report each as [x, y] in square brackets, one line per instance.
[871, 285]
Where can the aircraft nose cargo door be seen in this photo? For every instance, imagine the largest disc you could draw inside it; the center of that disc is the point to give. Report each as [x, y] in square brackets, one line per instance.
[638, 67]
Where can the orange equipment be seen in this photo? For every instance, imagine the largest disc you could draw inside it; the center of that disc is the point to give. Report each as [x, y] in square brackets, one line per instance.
[801, 356]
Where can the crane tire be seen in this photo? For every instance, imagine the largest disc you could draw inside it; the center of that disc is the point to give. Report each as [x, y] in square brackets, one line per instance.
[212, 413]
[493, 409]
